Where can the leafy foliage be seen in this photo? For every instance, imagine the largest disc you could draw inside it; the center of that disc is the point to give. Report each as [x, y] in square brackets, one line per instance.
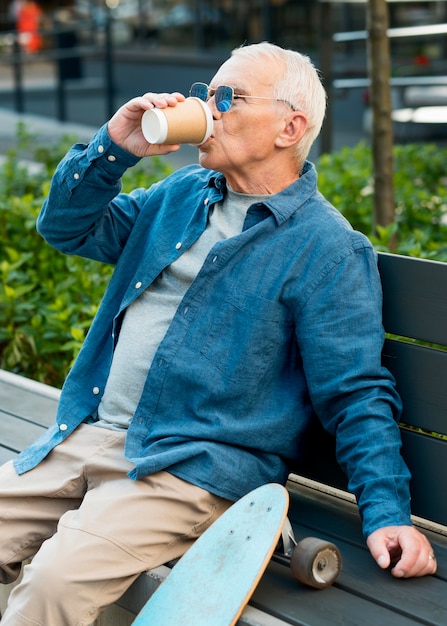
[47, 299]
[420, 181]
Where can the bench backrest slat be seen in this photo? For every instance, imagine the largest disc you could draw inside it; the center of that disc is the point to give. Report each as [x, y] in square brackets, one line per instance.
[415, 297]
[421, 377]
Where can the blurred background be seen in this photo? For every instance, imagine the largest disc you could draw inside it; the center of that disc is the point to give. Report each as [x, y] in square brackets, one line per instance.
[78, 60]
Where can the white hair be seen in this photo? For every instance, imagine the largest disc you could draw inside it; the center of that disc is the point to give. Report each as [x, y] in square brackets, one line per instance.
[300, 85]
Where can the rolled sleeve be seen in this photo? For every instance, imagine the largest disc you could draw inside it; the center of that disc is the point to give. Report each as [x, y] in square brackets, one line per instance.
[78, 207]
[341, 338]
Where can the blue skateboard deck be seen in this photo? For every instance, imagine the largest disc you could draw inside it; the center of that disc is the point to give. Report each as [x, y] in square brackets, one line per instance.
[214, 580]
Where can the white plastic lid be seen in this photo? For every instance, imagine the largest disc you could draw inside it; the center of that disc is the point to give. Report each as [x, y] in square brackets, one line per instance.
[154, 126]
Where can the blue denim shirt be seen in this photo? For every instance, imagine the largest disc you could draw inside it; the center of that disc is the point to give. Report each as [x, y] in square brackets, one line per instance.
[282, 323]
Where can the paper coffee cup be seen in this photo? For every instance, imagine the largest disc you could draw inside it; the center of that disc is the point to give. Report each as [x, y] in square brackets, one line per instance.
[190, 121]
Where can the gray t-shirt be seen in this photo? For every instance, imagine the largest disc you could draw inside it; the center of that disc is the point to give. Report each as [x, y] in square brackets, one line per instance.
[147, 319]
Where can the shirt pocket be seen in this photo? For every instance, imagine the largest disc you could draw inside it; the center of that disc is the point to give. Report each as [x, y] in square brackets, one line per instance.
[248, 338]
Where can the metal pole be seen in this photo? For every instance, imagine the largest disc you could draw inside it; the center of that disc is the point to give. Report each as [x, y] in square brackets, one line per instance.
[266, 20]
[18, 75]
[60, 83]
[198, 26]
[108, 69]
[326, 71]
[61, 103]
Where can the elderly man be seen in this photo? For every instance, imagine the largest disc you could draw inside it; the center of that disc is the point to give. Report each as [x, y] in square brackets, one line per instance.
[242, 307]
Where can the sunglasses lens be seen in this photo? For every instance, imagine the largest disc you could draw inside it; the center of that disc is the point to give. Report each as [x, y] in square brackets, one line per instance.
[223, 98]
[199, 90]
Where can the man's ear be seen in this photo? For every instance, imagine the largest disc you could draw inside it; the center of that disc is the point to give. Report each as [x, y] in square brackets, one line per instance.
[295, 125]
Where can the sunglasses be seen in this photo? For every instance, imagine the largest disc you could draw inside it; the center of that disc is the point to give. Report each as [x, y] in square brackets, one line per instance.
[224, 96]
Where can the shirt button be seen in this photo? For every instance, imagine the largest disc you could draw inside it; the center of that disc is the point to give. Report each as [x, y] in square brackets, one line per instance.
[101, 149]
[63, 427]
[76, 176]
[138, 285]
[111, 158]
[95, 390]
[178, 245]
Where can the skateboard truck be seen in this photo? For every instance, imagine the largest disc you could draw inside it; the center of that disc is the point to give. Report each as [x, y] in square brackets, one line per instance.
[314, 562]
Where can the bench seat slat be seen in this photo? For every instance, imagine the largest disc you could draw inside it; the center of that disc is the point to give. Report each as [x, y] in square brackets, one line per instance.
[362, 594]
[361, 581]
[6, 455]
[16, 433]
[22, 400]
[415, 297]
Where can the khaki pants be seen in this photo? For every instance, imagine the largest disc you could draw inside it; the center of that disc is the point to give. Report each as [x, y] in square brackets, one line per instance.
[92, 529]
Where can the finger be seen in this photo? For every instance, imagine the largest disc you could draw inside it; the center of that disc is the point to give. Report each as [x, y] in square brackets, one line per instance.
[377, 544]
[425, 566]
[163, 100]
[416, 560]
[406, 549]
[383, 560]
[163, 149]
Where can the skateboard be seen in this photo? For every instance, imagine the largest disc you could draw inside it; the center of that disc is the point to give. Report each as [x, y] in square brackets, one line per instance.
[214, 580]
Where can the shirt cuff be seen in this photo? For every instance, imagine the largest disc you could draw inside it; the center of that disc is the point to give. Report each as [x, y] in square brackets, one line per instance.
[109, 155]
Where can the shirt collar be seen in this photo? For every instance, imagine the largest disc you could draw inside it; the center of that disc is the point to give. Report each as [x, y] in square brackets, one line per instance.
[285, 203]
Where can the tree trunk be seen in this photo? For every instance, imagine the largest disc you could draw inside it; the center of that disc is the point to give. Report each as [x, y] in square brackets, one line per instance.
[379, 68]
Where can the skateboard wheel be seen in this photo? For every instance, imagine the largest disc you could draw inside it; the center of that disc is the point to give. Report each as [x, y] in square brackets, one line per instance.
[315, 562]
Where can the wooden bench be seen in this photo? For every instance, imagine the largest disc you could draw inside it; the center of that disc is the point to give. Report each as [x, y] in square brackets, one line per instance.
[415, 308]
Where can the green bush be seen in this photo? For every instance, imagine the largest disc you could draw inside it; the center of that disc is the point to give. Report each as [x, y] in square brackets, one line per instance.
[420, 181]
[48, 299]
